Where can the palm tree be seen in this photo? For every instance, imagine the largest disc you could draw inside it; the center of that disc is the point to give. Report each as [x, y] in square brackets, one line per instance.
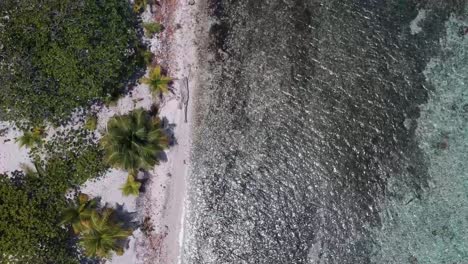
[78, 215]
[131, 186]
[134, 141]
[103, 235]
[139, 5]
[31, 138]
[158, 83]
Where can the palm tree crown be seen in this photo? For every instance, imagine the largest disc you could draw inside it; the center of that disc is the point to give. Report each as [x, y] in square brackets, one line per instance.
[134, 141]
[158, 83]
[131, 186]
[78, 215]
[31, 138]
[103, 235]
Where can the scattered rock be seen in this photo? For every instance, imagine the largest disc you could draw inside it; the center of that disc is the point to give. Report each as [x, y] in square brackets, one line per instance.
[3, 132]
[463, 31]
[147, 226]
[191, 2]
[465, 108]
[413, 260]
[443, 145]
[224, 55]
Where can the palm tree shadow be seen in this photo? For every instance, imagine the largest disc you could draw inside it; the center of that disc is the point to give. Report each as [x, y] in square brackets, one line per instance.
[143, 177]
[162, 156]
[128, 219]
[88, 260]
[169, 131]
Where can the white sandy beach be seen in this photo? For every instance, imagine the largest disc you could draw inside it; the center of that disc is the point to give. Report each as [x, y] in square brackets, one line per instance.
[12, 157]
[163, 199]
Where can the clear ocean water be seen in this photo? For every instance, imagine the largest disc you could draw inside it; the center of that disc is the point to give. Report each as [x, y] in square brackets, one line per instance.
[332, 132]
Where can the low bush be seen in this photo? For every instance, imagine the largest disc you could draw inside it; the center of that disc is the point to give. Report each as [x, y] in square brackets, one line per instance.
[152, 28]
[58, 55]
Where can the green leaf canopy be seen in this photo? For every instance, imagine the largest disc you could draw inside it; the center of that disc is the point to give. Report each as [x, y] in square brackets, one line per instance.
[134, 141]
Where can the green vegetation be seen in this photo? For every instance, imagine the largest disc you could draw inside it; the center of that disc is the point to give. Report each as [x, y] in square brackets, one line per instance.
[31, 206]
[78, 215]
[152, 28]
[148, 57]
[103, 235]
[99, 233]
[34, 208]
[111, 100]
[139, 5]
[61, 54]
[91, 123]
[78, 152]
[158, 83]
[57, 57]
[31, 138]
[33, 203]
[131, 186]
[134, 141]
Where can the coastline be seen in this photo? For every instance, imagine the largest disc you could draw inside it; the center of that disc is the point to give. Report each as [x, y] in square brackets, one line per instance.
[166, 191]
[164, 196]
[326, 144]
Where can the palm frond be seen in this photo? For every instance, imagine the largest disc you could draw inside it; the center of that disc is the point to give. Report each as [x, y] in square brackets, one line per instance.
[133, 141]
[157, 82]
[139, 5]
[79, 214]
[103, 235]
[32, 137]
[131, 186]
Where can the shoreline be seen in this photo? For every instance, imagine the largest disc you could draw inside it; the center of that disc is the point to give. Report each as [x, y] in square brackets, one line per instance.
[161, 204]
[165, 198]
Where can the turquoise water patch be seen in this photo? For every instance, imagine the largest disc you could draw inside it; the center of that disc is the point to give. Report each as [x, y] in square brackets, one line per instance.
[433, 228]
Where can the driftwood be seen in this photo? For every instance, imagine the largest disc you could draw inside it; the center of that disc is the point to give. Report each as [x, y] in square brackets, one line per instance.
[184, 92]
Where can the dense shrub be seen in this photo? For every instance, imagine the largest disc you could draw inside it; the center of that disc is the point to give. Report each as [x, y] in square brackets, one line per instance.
[56, 55]
[31, 206]
[30, 209]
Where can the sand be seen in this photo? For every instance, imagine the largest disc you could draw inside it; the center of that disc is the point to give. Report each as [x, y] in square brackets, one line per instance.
[12, 157]
[163, 198]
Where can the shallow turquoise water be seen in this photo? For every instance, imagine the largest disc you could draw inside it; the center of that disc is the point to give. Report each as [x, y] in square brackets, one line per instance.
[434, 227]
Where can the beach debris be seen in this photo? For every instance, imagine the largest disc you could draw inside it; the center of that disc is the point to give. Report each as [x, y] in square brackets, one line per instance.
[3, 131]
[147, 226]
